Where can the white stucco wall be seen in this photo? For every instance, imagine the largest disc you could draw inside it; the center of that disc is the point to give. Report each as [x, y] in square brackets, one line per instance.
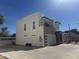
[20, 39]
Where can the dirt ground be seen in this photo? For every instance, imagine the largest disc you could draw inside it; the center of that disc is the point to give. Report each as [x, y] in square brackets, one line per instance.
[63, 51]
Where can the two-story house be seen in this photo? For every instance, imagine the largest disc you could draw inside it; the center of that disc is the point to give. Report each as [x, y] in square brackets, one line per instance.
[36, 30]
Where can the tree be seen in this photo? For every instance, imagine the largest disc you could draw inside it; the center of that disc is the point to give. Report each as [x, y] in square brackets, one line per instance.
[4, 31]
[1, 20]
[13, 35]
[73, 30]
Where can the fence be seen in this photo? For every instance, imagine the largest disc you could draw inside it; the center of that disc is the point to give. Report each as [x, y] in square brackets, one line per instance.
[7, 40]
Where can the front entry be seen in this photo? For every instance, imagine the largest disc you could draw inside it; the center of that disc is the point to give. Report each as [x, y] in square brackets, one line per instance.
[49, 40]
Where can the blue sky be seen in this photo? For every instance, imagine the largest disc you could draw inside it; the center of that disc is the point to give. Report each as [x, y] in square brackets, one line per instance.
[65, 11]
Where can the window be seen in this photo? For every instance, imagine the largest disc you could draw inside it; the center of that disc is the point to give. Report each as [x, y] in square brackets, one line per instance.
[45, 35]
[45, 38]
[46, 24]
[33, 25]
[33, 35]
[24, 27]
[25, 35]
[40, 23]
[40, 39]
[45, 41]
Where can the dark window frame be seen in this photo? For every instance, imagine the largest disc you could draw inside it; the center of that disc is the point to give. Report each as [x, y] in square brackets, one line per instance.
[34, 25]
[24, 27]
[25, 35]
[40, 38]
[33, 35]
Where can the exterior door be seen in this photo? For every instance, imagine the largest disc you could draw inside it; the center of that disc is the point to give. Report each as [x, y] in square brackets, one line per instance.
[49, 40]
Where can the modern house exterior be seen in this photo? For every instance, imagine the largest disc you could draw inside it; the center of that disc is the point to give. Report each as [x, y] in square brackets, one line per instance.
[37, 30]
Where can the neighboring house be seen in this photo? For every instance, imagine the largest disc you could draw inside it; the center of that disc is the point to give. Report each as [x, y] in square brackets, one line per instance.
[37, 30]
[70, 37]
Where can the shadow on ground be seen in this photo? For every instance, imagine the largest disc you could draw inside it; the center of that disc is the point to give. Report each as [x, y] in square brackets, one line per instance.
[9, 48]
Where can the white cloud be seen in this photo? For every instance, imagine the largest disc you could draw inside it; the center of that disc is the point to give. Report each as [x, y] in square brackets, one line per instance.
[64, 3]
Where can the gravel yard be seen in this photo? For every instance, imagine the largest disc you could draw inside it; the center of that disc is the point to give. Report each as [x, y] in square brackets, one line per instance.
[63, 51]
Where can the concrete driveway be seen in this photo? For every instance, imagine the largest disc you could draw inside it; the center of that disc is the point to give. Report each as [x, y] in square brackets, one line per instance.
[63, 51]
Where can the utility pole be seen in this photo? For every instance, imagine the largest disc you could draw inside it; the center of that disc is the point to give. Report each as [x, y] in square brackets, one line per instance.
[69, 32]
